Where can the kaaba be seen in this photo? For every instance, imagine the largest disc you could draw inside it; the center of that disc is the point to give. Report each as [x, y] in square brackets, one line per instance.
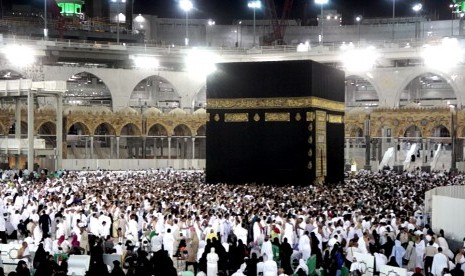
[275, 123]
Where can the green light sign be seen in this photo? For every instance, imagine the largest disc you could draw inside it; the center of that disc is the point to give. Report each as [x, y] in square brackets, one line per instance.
[70, 8]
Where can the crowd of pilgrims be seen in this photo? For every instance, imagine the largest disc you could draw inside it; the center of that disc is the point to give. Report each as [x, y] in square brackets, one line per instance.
[154, 219]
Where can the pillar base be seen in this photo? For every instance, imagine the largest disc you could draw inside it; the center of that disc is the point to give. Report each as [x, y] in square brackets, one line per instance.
[398, 168]
[453, 170]
[426, 169]
[367, 167]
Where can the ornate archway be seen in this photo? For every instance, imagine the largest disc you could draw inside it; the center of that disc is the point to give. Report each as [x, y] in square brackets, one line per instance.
[155, 91]
[181, 142]
[78, 141]
[157, 141]
[47, 131]
[200, 143]
[86, 89]
[428, 89]
[359, 92]
[412, 132]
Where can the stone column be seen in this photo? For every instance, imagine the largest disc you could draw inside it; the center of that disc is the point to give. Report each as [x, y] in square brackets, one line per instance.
[117, 147]
[367, 144]
[169, 148]
[18, 127]
[59, 132]
[30, 131]
[144, 147]
[193, 148]
[92, 147]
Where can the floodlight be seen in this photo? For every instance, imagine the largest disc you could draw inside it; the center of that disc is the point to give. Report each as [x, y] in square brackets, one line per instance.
[443, 56]
[145, 62]
[417, 7]
[19, 55]
[254, 4]
[200, 63]
[186, 5]
[359, 60]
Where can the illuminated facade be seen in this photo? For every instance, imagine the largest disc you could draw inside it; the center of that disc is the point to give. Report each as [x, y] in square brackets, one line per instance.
[144, 106]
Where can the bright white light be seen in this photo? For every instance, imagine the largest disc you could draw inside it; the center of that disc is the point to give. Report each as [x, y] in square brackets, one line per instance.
[200, 63]
[303, 47]
[211, 22]
[186, 5]
[345, 46]
[443, 56]
[417, 7]
[139, 19]
[359, 60]
[358, 18]
[254, 4]
[19, 55]
[321, 2]
[145, 62]
[121, 17]
[328, 17]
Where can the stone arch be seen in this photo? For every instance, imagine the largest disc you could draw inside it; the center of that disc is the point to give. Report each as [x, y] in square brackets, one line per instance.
[46, 128]
[9, 74]
[182, 130]
[47, 132]
[351, 129]
[420, 71]
[157, 129]
[78, 128]
[439, 131]
[354, 81]
[461, 132]
[201, 131]
[130, 129]
[412, 131]
[200, 98]
[2, 129]
[12, 129]
[155, 91]
[104, 129]
[87, 89]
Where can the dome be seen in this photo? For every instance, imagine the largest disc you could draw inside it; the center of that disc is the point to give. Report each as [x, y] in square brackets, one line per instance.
[200, 111]
[357, 110]
[412, 106]
[152, 111]
[48, 107]
[88, 109]
[129, 110]
[178, 111]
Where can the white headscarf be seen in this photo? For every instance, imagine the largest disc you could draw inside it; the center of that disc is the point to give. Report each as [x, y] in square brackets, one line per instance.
[303, 266]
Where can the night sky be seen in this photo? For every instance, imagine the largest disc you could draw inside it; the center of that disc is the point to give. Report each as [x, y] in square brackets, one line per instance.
[226, 11]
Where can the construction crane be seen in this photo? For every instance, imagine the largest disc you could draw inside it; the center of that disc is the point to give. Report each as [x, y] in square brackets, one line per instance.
[278, 24]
